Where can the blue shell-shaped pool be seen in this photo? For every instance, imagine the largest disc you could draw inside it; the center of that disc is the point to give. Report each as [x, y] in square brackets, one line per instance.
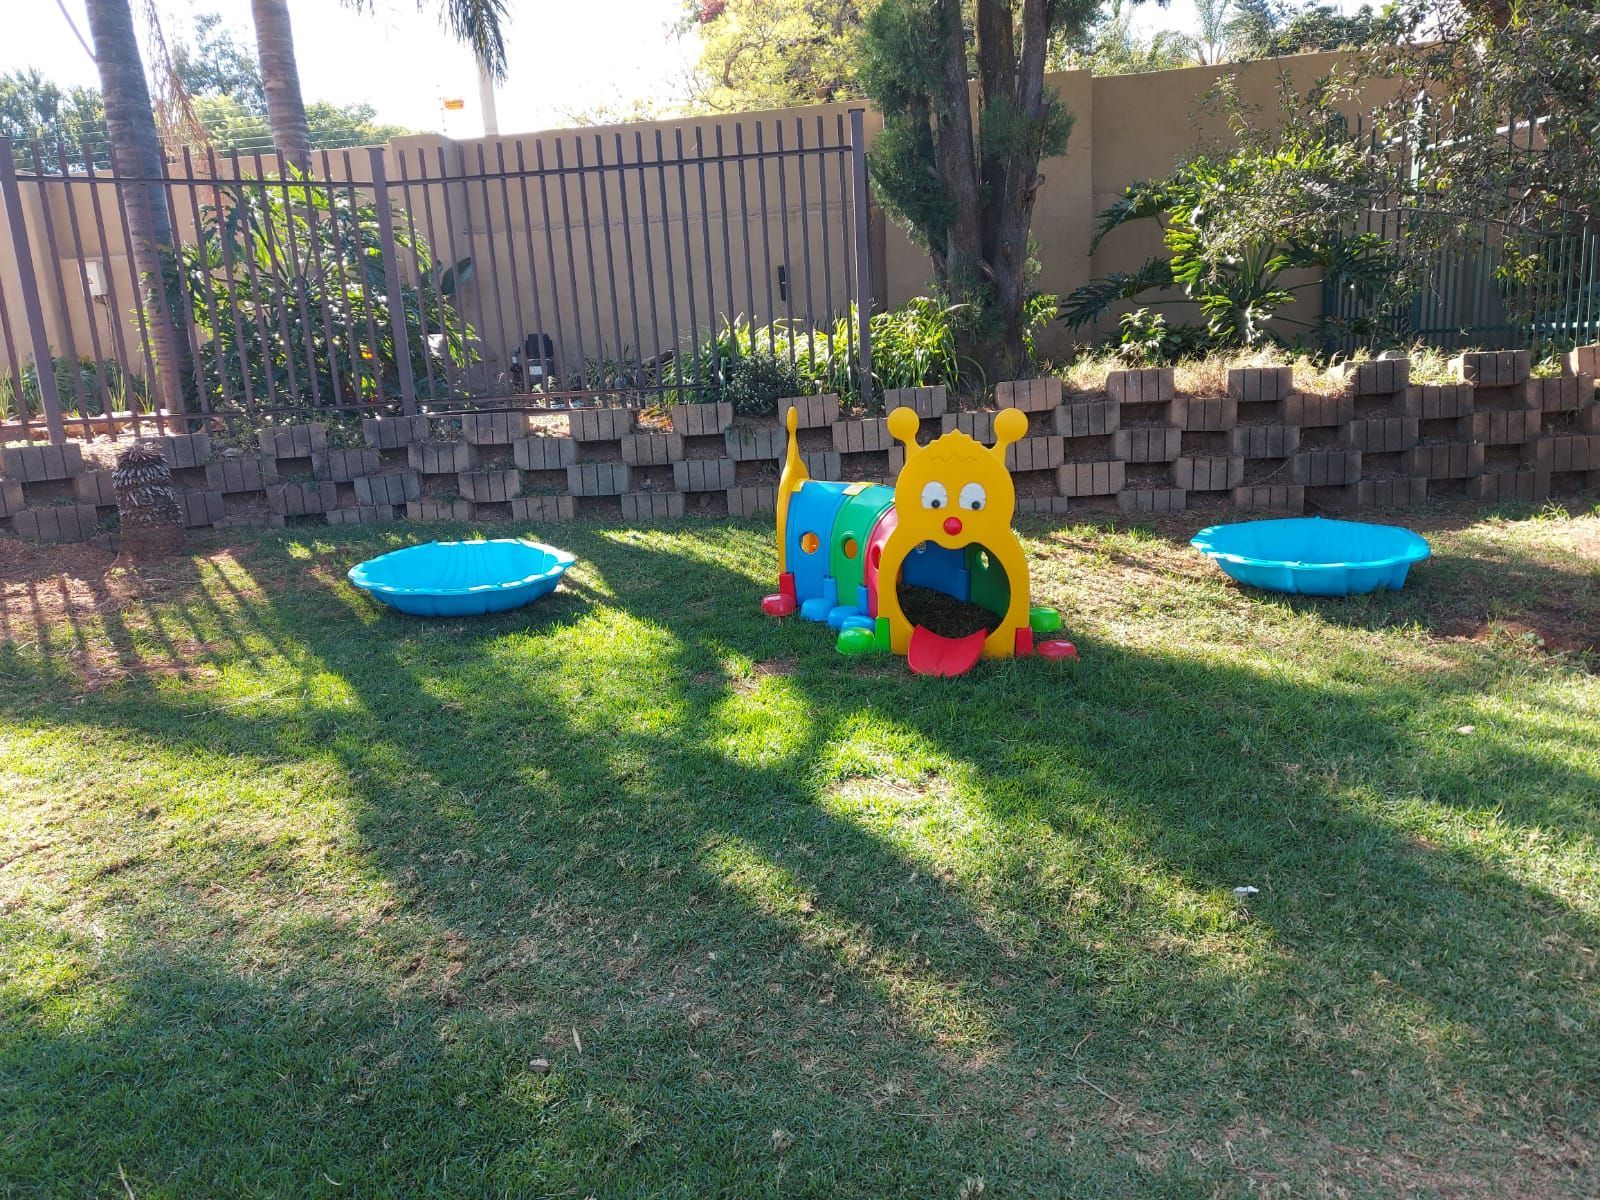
[1313, 556]
[462, 579]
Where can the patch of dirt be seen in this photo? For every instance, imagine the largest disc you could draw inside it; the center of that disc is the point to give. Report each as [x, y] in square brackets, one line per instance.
[745, 684]
[1558, 631]
[72, 606]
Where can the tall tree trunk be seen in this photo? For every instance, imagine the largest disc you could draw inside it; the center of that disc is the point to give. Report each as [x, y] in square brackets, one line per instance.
[136, 152]
[280, 77]
[953, 152]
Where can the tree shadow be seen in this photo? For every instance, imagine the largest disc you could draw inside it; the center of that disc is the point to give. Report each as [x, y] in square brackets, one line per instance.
[765, 935]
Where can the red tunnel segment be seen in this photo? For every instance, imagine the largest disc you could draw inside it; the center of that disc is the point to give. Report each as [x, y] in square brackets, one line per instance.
[874, 551]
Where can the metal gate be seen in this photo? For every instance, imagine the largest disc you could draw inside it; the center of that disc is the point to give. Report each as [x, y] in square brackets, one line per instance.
[629, 266]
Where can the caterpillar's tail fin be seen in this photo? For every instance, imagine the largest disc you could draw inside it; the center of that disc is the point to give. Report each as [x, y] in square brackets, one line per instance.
[794, 474]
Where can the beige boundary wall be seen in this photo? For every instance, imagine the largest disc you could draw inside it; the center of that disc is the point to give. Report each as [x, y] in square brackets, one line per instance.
[1127, 128]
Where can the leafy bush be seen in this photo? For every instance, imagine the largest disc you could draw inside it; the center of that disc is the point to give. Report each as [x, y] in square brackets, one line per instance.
[1146, 340]
[282, 279]
[1236, 224]
[82, 386]
[759, 380]
[913, 345]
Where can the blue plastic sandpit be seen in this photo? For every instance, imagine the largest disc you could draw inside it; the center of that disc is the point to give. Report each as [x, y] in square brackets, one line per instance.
[1313, 556]
[462, 579]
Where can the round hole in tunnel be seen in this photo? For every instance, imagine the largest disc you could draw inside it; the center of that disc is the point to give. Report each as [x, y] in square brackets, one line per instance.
[953, 593]
[809, 542]
[850, 547]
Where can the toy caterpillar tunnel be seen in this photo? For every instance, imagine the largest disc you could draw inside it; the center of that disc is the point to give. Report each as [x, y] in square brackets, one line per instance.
[850, 554]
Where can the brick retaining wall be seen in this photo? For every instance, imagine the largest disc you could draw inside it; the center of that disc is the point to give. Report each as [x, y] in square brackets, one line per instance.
[1383, 443]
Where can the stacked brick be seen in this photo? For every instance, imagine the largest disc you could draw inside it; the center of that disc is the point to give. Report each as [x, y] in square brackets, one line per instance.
[48, 493]
[1382, 442]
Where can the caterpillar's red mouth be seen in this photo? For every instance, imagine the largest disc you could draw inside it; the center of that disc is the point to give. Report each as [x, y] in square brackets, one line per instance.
[932, 654]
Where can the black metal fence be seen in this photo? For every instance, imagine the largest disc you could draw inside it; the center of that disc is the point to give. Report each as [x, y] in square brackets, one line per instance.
[587, 267]
[1462, 295]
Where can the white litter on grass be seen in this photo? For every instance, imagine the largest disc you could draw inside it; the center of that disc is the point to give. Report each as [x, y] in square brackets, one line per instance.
[1241, 893]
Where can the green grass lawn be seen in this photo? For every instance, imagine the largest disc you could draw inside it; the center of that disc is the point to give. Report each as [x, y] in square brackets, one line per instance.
[636, 893]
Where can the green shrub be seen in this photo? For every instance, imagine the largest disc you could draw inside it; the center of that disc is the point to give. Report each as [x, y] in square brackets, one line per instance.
[913, 345]
[1146, 340]
[759, 380]
[84, 388]
[1238, 226]
[287, 290]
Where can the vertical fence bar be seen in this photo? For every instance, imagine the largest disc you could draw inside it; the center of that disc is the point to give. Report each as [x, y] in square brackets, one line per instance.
[845, 236]
[688, 271]
[364, 280]
[53, 257]
[766, 233]
[649, 262]
[744, 227]
[425, 284]
[666, 263]
[69, 196]
[1590, 292]
[805, 238]
[264, 352]
[330, 329]
[545, 363]
[300, 274]
[450, 220]
[788, 258]
[705, 246]
[20, 415]
[827, 242]
[508, 257]
[611, 265]
[863, 248]
[550, 254]
[572, 259]
[203, 251]
[627, 254]
[44, 370]
[582, 176]
[271, 271]
[178, 314]
[493, 273]
[225, 246]
[391, 283]
[722, 212]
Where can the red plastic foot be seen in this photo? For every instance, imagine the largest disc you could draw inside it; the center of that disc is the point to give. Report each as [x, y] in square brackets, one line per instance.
[1056, 648]
[778, 605]
[783, 602]
[1024, 645]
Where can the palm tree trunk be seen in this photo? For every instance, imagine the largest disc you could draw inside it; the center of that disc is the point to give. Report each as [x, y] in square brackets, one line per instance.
[136, 153]
[280, 76]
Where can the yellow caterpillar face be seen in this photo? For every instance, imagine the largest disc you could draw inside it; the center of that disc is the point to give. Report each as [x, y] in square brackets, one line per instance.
[955, 490]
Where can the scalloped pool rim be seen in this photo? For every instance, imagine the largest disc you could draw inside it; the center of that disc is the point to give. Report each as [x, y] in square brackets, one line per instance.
[1311, 578]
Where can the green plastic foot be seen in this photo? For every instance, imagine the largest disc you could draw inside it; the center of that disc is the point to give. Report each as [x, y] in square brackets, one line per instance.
[856, 641]
[1044, 620]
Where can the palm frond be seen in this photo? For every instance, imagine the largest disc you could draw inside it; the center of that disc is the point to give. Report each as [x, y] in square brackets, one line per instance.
[476, 24]
[479, 24]
[1140, 201]
[1084, 304]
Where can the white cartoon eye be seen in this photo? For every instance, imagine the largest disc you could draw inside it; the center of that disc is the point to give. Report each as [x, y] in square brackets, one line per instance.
[973, 496]
[934, 495]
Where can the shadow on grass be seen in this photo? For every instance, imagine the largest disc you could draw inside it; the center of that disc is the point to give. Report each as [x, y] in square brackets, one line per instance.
[928, 928]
